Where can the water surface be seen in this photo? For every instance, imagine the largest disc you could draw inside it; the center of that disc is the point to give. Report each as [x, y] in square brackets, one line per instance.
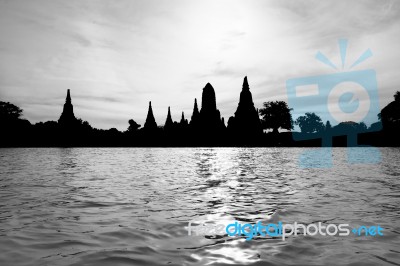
[111, 206]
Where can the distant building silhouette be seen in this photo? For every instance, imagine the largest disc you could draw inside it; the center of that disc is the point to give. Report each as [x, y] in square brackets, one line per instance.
[194, 121]
[208, 101]
[246, 121]
[183, 121]
[206, 128]
[169, 124]
[67, 117]
[150, 121]
[210, 117]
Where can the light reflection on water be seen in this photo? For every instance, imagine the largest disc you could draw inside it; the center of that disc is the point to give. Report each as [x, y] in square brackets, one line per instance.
[131, 206]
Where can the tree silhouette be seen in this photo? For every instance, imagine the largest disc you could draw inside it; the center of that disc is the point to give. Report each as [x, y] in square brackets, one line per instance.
[349, 127]
[133, 126]
[9, 111]
[390, 114]
[83, 125]
[310, 123]
[275, 115]
[362, 127]
[397, 96]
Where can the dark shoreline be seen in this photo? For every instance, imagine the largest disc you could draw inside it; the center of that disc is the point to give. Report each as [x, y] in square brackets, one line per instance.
[267, 140]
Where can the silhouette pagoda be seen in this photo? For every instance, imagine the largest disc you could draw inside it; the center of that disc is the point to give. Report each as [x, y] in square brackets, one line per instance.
[246, 121]
[183, 121]
[150, 121]
[67, 117]
[210, 117]
[195, 115]
[169, 124]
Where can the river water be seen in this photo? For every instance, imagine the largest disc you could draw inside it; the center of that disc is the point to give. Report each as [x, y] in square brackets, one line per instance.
[112, 206]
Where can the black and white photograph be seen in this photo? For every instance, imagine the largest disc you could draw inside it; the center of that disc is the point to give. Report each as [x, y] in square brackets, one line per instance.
[193, 133]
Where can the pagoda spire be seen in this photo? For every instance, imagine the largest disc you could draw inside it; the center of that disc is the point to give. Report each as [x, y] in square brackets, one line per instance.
[168, 123]
[208, 102]
[196, 113]
[150, 121]
[245, 95]
[169, 114]
[246, 121]
[245, 86]
[67, 116]
[183, 120]
[195, 108]
[68, 99]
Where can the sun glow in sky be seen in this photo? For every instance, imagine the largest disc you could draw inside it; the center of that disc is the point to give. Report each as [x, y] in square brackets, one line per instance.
[116, 56]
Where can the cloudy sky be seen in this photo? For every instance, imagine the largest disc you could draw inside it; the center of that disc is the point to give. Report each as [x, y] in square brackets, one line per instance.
[116, 56]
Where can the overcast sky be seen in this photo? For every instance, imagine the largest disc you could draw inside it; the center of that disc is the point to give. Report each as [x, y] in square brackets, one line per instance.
[116, 56]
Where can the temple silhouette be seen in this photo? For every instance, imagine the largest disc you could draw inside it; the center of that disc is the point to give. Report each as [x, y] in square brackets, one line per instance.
[245, 124]
[150, 123]
[210, 118]
[206, 128]
[195, 119]
[67, 117]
